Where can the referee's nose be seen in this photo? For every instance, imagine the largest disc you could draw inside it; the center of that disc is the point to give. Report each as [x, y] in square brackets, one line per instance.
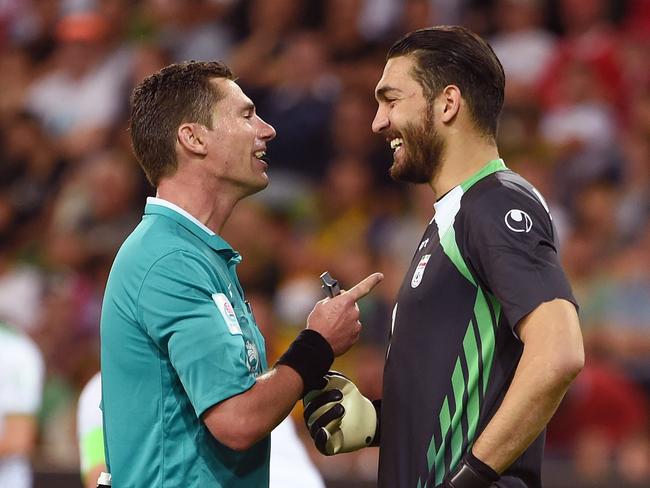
[265, 131]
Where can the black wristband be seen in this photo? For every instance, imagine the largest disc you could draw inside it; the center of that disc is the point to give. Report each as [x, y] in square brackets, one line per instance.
[472, 473]
[311, 356]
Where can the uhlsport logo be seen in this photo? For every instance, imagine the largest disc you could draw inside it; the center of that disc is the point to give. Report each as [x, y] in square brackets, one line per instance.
[419, 271]
[518, 221]
[252, 358]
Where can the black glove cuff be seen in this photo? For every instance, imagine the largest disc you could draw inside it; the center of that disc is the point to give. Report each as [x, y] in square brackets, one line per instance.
[376, 439]
[311, 356]
[472, 473]
[483, 469]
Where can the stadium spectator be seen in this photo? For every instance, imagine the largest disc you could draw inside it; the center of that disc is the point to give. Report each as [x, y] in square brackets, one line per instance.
[21, 384]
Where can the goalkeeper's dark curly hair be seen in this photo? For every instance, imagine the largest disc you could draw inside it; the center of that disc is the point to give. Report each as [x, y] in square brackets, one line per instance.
[454, 55]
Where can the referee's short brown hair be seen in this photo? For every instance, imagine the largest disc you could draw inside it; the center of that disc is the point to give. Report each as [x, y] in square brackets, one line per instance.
[176, 94]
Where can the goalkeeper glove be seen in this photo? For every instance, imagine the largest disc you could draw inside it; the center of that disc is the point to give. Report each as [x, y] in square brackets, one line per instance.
[471, 472]
[339, 418]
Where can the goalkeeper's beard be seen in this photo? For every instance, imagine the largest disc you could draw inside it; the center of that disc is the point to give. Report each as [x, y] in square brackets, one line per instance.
[423, 149]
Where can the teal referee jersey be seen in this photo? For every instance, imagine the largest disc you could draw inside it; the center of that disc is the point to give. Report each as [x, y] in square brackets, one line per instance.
[177, 338]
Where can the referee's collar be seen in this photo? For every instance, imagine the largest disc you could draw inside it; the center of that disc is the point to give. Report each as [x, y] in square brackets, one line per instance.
[160, 206]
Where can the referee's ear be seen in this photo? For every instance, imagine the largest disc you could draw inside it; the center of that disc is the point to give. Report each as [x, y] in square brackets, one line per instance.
[192, 138]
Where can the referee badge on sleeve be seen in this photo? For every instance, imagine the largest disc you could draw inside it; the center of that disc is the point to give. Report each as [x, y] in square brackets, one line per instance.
[227, 312]
[419, 271]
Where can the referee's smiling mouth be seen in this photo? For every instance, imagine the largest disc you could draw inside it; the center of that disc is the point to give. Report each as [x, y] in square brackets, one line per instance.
[261, 155]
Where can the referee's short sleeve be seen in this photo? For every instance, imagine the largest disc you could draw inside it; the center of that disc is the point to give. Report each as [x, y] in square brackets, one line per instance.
[176, 308]
[510, 243]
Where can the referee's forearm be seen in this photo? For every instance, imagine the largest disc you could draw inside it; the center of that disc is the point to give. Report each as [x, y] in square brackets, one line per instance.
[241, 421]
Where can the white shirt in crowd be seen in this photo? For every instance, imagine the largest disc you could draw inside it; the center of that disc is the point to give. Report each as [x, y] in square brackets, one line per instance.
[21, 385]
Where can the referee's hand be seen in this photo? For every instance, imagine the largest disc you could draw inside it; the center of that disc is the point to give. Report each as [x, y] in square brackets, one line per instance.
[337, 319]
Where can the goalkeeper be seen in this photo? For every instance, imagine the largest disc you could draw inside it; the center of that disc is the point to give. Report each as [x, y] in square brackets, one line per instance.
[485, 337]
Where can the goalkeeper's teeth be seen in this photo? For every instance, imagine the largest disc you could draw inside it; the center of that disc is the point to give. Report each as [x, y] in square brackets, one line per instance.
[396, 143]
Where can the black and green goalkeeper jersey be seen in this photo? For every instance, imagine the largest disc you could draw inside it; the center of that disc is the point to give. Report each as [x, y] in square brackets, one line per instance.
[487, 259]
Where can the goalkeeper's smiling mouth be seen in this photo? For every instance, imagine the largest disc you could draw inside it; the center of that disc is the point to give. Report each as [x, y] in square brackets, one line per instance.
[396, 143]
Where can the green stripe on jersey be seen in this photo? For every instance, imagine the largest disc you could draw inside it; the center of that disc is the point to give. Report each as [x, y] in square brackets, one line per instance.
[459, 386]
[473, 348]
[470, 347]
[451, 425]
[445, 421]
[487, 331]
[450, 247]
[491, 167]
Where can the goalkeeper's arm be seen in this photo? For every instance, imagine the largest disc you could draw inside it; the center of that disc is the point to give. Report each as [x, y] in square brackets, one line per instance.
[339, 418]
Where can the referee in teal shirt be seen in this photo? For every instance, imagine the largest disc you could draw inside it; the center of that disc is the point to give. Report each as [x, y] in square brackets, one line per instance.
[188, 399]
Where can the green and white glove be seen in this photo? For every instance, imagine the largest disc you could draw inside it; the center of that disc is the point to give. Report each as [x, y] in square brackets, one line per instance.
[339, 418]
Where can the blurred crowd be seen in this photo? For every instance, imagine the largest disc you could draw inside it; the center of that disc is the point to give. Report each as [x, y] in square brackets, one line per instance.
[576, 123]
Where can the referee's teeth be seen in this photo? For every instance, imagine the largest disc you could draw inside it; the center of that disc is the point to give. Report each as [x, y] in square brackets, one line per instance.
[397, 142]
[260, 154]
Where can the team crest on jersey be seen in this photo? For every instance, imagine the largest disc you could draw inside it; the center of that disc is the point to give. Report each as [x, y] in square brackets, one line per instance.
[252, 359]
[419, 271]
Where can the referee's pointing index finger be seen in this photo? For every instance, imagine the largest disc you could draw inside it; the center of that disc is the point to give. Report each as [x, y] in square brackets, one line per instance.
[364, 287]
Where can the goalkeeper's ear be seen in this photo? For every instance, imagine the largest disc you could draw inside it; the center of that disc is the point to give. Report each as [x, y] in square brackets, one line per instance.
[339, 417]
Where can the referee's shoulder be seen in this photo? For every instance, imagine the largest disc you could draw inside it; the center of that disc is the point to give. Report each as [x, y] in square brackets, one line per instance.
[150, 245]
